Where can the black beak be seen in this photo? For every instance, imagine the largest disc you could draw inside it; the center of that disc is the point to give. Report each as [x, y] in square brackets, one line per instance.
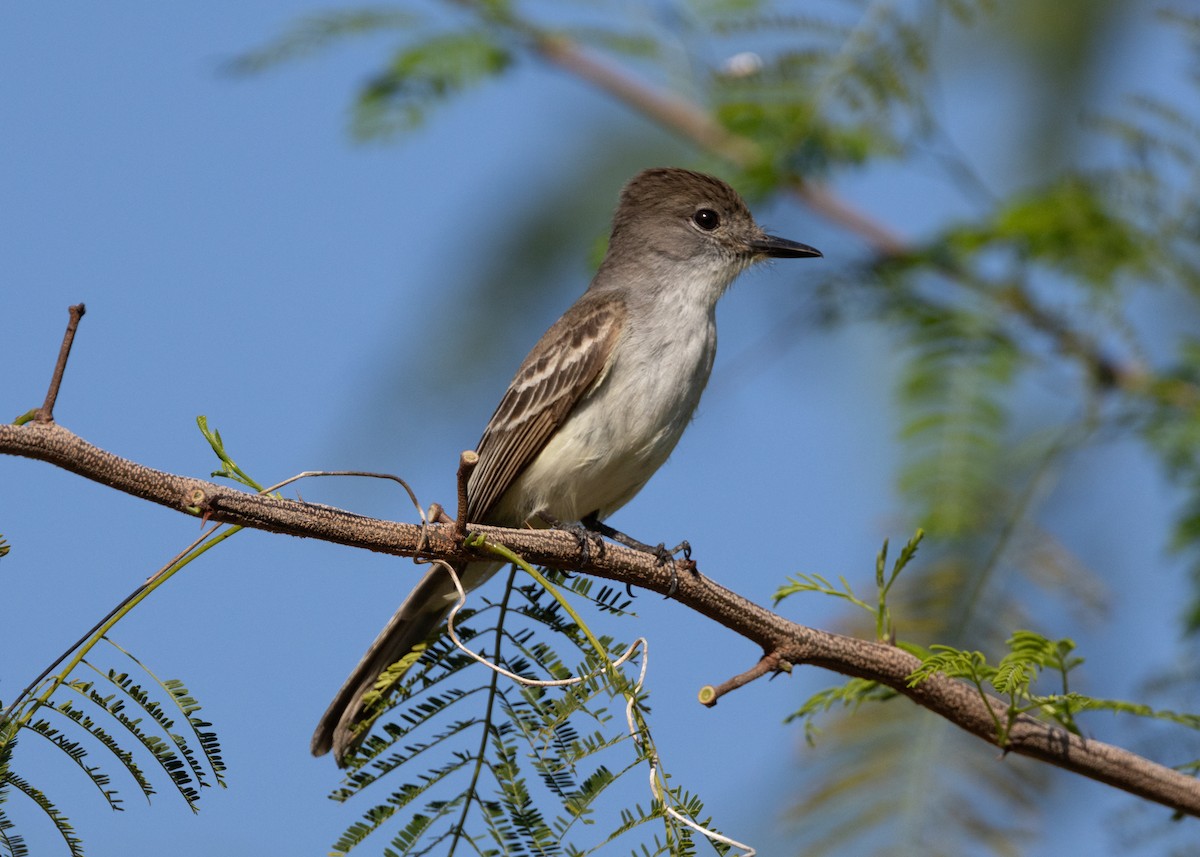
[781, 248]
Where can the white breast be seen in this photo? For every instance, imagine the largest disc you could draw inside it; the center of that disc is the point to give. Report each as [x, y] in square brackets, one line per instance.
[626, 428]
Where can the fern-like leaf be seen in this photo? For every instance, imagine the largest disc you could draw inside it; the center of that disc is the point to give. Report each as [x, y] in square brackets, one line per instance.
[188, 707]
[424, 75]
[77, 754]
[86, 723]
[175, 757]
[510, 748]
[12, 844]
[61, 823]
[320, 32]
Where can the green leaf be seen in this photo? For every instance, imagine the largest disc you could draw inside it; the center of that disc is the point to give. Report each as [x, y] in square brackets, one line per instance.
[321, 32]
[229, 468]
[61, 823]
[425, 75]
[1070, 226]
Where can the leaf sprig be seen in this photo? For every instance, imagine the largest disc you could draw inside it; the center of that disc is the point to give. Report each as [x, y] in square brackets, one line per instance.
[1031, 657]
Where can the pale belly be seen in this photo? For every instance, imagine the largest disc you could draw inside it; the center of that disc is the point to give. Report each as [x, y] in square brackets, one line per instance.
[617, 438]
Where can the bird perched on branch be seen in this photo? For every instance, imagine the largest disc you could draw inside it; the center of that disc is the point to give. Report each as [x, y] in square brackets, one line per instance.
[599, 403]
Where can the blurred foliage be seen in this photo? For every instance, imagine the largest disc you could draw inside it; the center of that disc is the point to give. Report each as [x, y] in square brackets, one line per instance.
[1031, 283]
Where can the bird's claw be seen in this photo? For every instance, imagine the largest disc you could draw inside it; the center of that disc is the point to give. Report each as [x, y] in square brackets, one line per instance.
[664, 556]
[586, 538]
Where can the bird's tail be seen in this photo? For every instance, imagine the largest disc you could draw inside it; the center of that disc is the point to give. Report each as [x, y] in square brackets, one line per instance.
[425, 608]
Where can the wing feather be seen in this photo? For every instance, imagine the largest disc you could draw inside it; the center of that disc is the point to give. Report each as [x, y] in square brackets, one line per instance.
[566, 364]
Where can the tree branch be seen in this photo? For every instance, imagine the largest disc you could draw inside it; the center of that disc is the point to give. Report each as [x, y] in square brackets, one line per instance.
[783, 642]
[695, 123]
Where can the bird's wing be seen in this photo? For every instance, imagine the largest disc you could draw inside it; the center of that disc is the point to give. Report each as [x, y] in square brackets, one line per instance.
[569, 360]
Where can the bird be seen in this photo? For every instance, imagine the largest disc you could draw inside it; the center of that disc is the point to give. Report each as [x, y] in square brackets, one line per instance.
[597, 406]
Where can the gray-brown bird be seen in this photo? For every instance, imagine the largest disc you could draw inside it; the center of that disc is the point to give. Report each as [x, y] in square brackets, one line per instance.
[600, 402]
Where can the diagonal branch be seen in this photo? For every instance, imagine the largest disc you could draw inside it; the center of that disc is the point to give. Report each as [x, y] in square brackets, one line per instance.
[784, 643]
[695, 123]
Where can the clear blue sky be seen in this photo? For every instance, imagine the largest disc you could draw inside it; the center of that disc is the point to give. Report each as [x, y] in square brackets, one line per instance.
[242, 258]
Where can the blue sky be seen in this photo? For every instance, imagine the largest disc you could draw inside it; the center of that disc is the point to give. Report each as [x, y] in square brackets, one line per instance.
[241, 257]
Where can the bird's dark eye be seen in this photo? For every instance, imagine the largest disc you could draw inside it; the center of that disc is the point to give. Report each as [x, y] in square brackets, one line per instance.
[706, 219]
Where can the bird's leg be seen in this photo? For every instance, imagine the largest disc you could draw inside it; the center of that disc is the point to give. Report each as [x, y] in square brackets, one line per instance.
[585, 535]
[659, 551]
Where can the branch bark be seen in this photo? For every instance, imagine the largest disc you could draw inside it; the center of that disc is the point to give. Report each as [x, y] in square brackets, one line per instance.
[783, 642]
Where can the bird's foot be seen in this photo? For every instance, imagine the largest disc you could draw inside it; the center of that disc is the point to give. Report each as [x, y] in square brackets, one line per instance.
[663, 555]
[584, 535]
[660, 551]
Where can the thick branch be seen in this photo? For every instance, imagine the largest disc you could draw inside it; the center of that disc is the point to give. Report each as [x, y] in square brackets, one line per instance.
[782, 641]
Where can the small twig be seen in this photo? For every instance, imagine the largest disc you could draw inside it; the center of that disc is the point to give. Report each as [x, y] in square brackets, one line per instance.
[770, 663]
[45, 413]
[308, 474]
[466, 463]
[412, 495]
